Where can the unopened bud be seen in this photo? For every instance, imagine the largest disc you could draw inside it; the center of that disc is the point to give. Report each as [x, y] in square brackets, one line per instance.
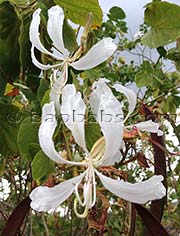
[87, 27]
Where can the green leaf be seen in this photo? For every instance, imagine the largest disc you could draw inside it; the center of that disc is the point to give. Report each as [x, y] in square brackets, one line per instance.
[69, 37]
[163, 17]
[25, 47]
[28, 136]
[169, 105]
[8, 130]
[42, 166]
[45, 98]
[162, 51]
[32, 82]
[116, 13]
[93, 133]
[177, 64]
[43, 87]
[9, 47]
[144, 76]
[78, 10]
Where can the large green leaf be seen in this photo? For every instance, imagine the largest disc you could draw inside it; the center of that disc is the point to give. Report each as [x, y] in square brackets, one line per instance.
[42, 166]
[27, 139]
[164, 19]
[9, 47]
[77, 10]
[145, 75]
[8, 129]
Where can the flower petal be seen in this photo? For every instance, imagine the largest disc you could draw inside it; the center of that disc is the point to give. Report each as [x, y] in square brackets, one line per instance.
[46, 132]
[131, 97]
[55, 28]
[148, 190]
[110, 116]
[99, 88]
[44, 198]
[40, 65]
[34, 35]
[73, 113]
[149, 126]
[60, 79]
[99, 53]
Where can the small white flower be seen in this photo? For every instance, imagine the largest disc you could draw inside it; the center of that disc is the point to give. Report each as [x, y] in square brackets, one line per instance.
[97, 54]
[104, 152]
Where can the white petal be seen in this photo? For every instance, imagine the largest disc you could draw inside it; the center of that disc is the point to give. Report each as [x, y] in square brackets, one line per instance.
[149, 126]
[130, 94]
[99, 88]
[116, 158]
[44, 198]
[150, 189]
[40, 65]
[46, 132]
[55, 28]
[110, 116]
[60, 79]
[34, 35]
[99, 53]
[73, 113]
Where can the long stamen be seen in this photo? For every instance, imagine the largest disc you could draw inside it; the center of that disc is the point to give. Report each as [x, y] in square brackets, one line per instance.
[84, 214]
[58, 87]
[78, 197]
[98, 143]
[97, 150]
[94, 190]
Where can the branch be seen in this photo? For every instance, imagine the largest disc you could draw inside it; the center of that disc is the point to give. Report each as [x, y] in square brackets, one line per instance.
[157, 206]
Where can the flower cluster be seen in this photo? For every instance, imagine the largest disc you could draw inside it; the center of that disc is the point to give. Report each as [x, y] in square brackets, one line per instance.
[106, 150]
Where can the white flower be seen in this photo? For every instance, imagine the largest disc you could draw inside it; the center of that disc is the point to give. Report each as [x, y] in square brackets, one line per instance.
[104, 152]
[98, 53]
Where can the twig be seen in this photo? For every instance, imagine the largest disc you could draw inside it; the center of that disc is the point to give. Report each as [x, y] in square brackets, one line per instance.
[45, 225]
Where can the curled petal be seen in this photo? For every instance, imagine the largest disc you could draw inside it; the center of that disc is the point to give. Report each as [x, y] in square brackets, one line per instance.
[34, 35]
[40, 65]
[148, 190]
[149, 126]
[131, 97]
[99, 88]
[116, 158]
[99, 53]
[110, 116]
[60, 79]
[55, 28]
[46, 132]
[73, 113]
[44, 198]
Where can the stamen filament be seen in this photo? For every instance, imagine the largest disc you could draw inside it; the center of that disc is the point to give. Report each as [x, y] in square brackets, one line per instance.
[84, 214]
